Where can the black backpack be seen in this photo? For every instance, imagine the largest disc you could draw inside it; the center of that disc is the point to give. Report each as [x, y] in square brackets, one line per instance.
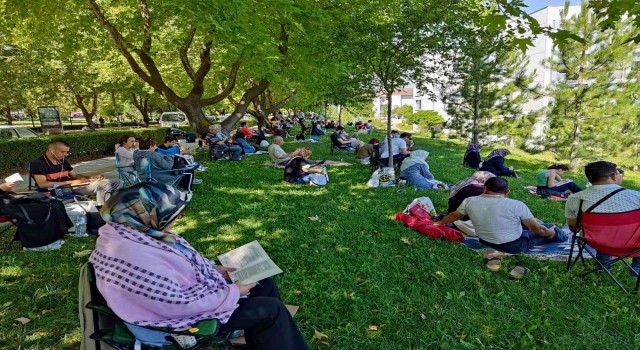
[40, 221]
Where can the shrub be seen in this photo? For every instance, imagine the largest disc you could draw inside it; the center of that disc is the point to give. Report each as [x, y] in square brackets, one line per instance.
[426, 118]
[19, 152]
[404, 111]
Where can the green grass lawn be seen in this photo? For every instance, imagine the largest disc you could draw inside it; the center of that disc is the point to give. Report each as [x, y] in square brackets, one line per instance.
[355, 267]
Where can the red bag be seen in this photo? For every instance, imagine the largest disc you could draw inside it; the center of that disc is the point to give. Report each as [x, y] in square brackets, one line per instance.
[426, 227]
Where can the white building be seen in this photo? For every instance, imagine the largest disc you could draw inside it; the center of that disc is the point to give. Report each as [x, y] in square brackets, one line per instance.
[408, 95]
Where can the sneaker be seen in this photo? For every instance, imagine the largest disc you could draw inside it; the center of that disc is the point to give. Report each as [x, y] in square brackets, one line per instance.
[202, 168]
[197, 181]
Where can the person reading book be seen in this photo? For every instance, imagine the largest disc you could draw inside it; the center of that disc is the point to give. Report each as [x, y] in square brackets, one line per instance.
[151, 276]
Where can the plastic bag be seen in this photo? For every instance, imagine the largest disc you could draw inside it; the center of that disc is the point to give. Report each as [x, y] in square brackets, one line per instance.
[422, 207]
[374, 181]
[387, 177]
[319, 179]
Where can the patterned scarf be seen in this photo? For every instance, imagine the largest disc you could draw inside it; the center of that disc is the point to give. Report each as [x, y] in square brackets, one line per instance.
[148, 208]
[502, 152]
[478, 178]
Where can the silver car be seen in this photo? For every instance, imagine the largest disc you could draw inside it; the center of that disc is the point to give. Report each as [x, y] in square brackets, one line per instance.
[16, 132]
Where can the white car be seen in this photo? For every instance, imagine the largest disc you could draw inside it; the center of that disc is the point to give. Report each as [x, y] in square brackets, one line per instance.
[16, 132]
[173, 118]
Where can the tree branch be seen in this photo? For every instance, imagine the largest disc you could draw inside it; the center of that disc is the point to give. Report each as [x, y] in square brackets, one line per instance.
[146, 25]
[205, 65]
[184, 51]
[281, 104]
[227, 90]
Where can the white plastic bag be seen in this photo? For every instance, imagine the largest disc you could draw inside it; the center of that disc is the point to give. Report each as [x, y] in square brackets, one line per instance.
[374, 181]
[387, 177]
[423, 205]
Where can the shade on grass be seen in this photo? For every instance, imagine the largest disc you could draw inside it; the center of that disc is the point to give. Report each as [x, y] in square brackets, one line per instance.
[354, 267]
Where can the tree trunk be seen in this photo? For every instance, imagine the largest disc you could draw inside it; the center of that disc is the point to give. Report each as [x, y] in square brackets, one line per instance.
[389, 147]
[476, 114]
[575, 143]
[88, 115]
[8, 115]
[142, 105]
[242, 105]
[340, 114]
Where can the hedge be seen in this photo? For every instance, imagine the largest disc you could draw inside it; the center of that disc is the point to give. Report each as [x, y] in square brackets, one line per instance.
[17, 153]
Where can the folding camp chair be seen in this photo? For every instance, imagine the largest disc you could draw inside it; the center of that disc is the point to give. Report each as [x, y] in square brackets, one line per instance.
[63, 193]
[104, 326]
[147, 174]
[336, 146]
[127, 174]
[614, 234]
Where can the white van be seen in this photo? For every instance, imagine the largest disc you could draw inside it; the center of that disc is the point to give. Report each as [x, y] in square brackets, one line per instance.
[173, 118]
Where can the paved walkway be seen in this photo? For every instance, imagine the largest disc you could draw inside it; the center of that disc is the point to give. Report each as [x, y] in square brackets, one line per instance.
[103, 166]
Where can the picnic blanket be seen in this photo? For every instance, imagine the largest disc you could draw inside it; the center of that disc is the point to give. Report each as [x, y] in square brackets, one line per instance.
[328, 162]
[553, 251]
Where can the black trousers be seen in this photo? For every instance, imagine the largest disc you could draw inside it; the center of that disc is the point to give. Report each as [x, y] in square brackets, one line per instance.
[266, 322]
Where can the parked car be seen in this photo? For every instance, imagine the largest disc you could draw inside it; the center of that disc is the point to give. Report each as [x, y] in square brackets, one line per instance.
[16, 132]
[173, 118]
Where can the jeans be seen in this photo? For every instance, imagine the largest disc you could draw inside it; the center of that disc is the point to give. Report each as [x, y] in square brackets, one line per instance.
[559, 190]
[266, 322]
[527, 241]
[304, 180]
[604, 258]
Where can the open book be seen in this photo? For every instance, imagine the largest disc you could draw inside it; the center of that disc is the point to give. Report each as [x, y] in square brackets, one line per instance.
[251, 262]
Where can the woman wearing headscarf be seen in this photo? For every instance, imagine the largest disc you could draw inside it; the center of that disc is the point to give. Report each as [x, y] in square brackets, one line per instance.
[416, 170]
[472, 158]
[495, 163]
[469, 187]
[152, 277]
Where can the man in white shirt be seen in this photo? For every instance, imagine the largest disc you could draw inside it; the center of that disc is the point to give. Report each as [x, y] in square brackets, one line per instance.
[277, 154]
[399, 148]
[498, 220]
[605, 178]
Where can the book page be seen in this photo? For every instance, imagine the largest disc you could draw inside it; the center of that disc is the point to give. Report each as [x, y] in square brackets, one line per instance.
[14, 178]
[251, 261]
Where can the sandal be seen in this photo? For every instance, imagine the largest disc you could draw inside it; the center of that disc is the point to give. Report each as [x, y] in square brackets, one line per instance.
[518, 272]
[494, 264]
[493, 254]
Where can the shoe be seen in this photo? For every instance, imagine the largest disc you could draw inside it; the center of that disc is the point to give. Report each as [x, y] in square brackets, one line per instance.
[494, 264]
[202, 168]
[518, 272]
[184, 341]
[197, 181]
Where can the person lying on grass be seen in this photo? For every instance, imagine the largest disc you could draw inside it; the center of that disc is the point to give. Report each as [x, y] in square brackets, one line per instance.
[498, 220]
[299, 168]
[549, 183]
[150, 276]
[416, 170]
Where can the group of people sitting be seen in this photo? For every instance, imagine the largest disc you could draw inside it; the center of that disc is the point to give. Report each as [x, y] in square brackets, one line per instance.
[168, 163]
[508, 225]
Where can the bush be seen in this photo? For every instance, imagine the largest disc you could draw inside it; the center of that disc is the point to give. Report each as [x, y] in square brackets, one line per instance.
[426, 118]
[92, 144]
[404, 111]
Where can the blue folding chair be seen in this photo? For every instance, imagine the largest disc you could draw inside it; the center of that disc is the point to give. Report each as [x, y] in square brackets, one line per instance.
[147, 174]
[127, 174]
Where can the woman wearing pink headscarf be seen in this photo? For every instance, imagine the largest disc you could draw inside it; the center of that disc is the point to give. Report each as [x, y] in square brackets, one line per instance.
[469, 187]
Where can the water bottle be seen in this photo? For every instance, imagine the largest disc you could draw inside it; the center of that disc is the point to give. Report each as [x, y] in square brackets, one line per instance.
[81, 226]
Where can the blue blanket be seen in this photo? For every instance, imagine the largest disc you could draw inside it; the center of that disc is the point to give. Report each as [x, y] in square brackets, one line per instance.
[553, 251]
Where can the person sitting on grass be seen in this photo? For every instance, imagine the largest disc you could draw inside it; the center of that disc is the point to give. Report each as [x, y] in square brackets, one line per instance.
[151, 276]
[604, 178]
[549, 183]
[344, 139]
[469, 187]
[495, 163]
[400, 148]
[416, 170]
[277, 154]
[316, 130]
[299, 168]
[248, 133]
[367, 151]
[472, 158]
[498, 220]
